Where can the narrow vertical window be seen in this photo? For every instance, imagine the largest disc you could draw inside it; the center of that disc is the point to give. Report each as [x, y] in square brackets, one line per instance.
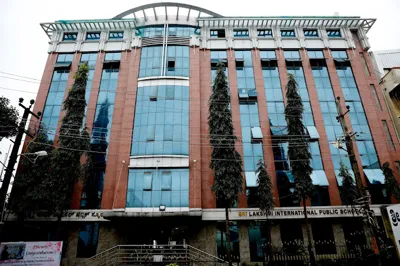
[397, 166]
[388, 136]
[366, 70]
[375, 96]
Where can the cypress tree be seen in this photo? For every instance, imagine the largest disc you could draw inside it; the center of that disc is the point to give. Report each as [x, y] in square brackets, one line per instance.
[265, 197]
[299, 153]
[391, 183]
[226, 162]
[349, 192]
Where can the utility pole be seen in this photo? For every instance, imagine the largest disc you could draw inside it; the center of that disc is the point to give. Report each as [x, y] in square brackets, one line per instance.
[14, 153]
[363, 192]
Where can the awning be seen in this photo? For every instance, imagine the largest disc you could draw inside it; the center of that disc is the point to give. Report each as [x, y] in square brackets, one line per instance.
[293, 59]
[63, 65]
[256, 133]
[313, 132]
[251, 179]
[340, 179]
[319, 178]
[375, 176]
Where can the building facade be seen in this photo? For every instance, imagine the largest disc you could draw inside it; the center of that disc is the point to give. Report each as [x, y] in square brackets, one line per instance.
[384, 60]
[150, 78]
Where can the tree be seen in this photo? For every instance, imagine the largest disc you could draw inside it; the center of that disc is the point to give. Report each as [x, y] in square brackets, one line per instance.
[264, 195]
[391, 183]
[349, 192]
[29, 192]
[298, 152]
[8, 119]
[226, 162]
[73, 143]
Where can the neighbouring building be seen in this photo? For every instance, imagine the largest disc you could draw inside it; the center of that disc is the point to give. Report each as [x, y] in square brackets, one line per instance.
[151, 74]
[384, 60]
[390, 87]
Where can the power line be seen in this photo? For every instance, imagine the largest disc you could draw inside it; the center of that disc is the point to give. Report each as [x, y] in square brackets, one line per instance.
[9, 89]
[30, 81]
[10, 74]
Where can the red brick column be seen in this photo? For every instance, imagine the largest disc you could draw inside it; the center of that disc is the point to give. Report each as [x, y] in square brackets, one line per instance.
[337, 91]
[70, 82]
[90, 113]
[319, 123]
[113, 162]
[126, 131]
[41, 96]
[195, 129]
[236, 116]
[264, 123]
[208, 199]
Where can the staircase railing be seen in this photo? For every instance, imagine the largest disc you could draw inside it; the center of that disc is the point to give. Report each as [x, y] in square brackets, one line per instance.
[153, 255]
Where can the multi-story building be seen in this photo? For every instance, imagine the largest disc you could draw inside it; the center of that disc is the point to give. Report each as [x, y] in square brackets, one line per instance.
[151, 74]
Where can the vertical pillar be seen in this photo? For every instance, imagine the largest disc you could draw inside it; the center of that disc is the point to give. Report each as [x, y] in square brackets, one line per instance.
[195, 156]
[340, 240]
[264, 122]
[244, 245]
[113, 162]
[276, 236]
[319, 123]
[207, 178]
[236, 115]
[126, 129]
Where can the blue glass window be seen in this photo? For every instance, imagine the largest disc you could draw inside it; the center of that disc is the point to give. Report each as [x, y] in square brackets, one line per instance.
[315, 54]
[218, 56]
[70, 36]
[164, 119]
[177, 61]
[88, 238]
[244, 71]
[92, 192]
[264, 33]
[339, 54]
[333, 33]
[65, 58]
[116, 35]
[297, 72]
[267, 55]
[150, 32]
[241, 33]
[93, 36]
[329, 111]
[112, 57]
[179, 56]
[292, 55]
[180, 31]
[310, 33]
[288, 33]
[90, 59]
[152, 188]
[54, 101]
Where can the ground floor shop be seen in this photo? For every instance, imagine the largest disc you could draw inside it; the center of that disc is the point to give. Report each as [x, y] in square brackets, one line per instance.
[334, 233]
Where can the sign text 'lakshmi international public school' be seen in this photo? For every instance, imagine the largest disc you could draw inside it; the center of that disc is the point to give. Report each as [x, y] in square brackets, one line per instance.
[321, 212]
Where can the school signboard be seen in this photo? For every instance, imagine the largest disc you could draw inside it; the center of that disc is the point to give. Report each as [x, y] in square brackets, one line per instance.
[31, 253]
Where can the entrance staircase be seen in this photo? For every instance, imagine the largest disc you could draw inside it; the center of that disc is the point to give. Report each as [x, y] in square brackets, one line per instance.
[153, 255]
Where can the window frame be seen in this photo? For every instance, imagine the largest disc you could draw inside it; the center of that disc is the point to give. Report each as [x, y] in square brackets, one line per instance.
[117, 37]
[328, 31]
[241, 31]
[311, 30]
[92, 32]
[70, 39]
[218, 31]
[264, 35]
[287, 31]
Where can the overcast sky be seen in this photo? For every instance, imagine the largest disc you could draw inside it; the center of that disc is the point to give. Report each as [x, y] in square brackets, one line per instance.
[23, 45]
